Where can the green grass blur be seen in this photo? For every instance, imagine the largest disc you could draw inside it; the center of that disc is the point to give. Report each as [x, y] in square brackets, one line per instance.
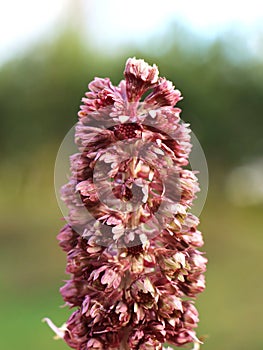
[39, 98]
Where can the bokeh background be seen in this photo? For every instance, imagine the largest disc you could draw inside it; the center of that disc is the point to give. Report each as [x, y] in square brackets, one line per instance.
[212, 51]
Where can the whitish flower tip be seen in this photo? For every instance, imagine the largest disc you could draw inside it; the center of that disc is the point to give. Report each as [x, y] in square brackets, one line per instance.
[197, 346]
[59, 331]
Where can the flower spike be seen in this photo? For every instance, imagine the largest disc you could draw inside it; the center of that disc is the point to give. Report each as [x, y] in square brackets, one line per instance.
[131, 241]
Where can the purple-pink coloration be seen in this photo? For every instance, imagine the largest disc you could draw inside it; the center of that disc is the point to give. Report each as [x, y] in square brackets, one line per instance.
[131, 278]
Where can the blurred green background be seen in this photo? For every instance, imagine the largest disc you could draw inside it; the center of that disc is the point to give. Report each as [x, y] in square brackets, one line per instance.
[40, 92]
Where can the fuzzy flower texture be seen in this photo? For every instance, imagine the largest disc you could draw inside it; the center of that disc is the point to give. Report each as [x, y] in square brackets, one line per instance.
[131, 242]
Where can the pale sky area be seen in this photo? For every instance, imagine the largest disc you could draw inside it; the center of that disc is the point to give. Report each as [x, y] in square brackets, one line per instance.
[113, 22]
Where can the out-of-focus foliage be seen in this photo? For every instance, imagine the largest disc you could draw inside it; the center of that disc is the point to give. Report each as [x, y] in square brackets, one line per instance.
[40, 92]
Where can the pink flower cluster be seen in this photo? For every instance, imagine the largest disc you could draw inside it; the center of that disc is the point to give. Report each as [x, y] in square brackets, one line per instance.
[131, 242]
